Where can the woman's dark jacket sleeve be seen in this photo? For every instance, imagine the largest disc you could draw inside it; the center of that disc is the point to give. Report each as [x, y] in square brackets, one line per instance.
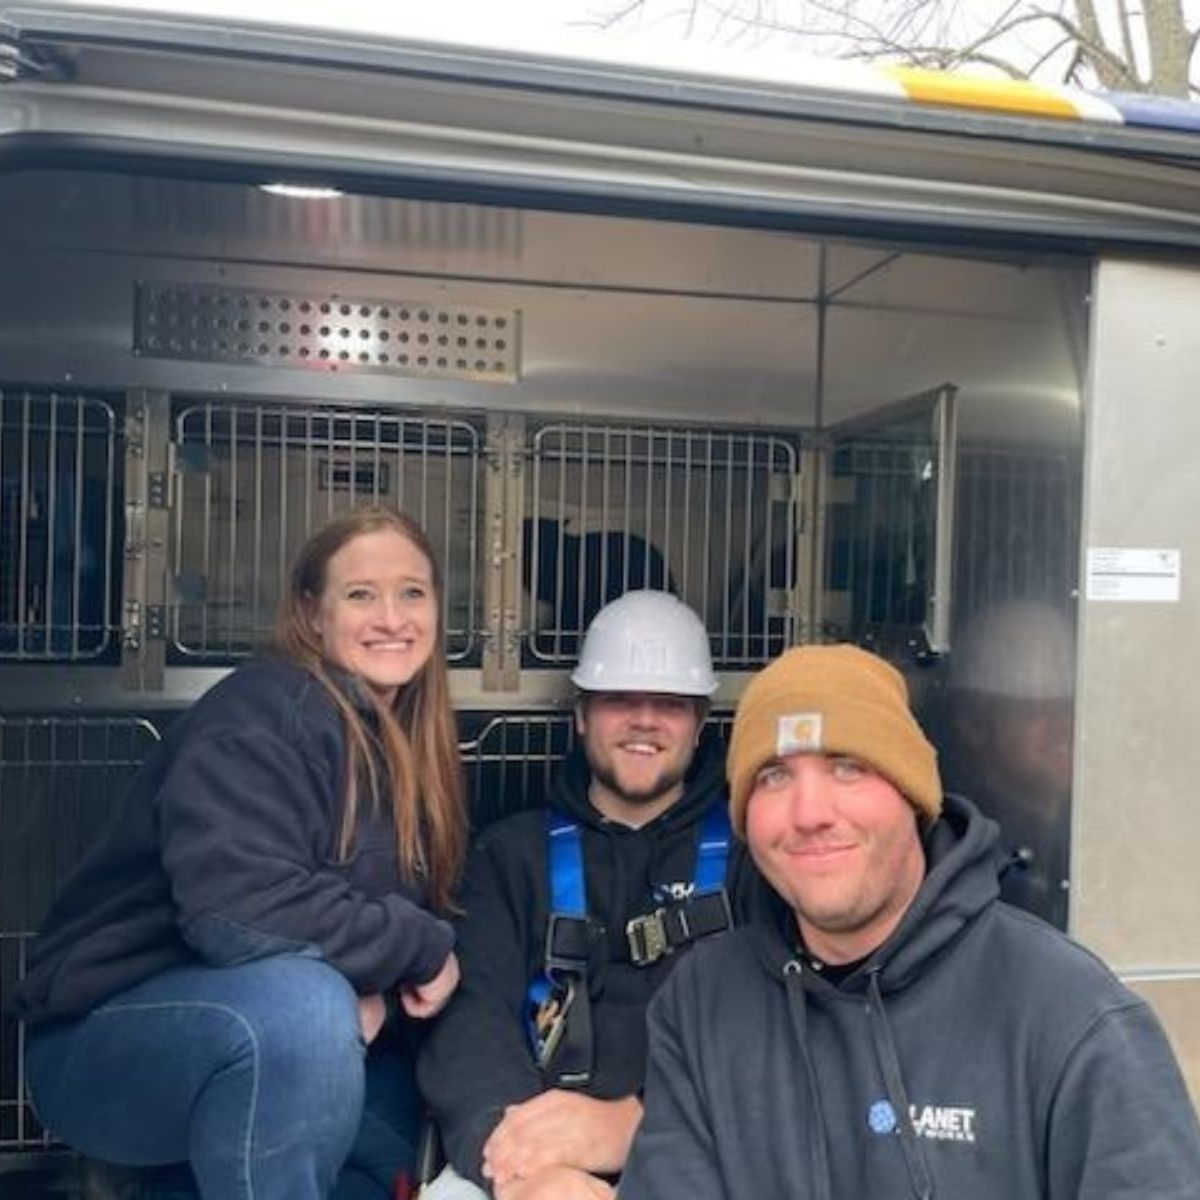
[246, 823]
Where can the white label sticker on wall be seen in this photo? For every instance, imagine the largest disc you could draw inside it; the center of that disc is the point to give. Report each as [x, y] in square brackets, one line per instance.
[1121, 573]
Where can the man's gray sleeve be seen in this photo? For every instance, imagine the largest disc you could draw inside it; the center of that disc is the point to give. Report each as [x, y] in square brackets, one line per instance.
[673, 1154]
[1122, 1126]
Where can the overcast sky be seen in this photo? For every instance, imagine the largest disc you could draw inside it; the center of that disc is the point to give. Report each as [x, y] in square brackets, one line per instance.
[561, 27]
[489, 22]
[657, 32]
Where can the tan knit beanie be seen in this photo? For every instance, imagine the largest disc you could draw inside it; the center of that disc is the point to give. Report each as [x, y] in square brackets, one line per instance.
[831, 700]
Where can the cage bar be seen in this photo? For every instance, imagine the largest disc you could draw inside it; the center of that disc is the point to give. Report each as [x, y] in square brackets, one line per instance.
[706, 515]
[61, 781]
[1017, 523]
[60, 481]
[252, 482]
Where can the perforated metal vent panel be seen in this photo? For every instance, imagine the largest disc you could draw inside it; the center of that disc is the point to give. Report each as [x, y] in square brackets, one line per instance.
[343, 333]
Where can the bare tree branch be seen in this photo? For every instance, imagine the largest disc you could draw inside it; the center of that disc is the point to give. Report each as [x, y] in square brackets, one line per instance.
[1128, 53]
[1086, 34]
[1071, 74]
[1153, 51]
[1167, 41]
[1050, 52]
[607, 20]
[1110, 69]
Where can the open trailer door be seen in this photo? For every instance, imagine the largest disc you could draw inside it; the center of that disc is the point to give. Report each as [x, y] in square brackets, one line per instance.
[889, 480]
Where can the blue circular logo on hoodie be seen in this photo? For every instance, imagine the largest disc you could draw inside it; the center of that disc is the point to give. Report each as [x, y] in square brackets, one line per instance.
[881, 1117]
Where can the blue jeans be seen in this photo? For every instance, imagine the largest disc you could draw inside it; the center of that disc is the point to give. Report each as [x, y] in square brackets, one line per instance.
[255, 1074]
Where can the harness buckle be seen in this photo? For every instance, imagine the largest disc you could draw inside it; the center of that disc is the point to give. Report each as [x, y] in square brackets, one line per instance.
[570, 943]
[647, 936]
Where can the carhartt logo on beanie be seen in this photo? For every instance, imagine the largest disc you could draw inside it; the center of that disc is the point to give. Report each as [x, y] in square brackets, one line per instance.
[831, 700]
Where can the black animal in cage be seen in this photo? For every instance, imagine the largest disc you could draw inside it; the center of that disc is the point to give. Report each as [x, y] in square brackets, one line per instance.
[570, 577]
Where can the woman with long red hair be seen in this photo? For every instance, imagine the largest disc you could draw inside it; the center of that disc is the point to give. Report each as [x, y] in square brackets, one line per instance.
[236, 974]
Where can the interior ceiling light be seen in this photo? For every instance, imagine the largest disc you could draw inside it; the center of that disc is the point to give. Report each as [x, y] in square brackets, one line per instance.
[300, 191]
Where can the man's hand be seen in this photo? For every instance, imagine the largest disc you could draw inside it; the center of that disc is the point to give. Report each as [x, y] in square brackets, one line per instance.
[424, 1000]
[561, 1129]
[556, 1183]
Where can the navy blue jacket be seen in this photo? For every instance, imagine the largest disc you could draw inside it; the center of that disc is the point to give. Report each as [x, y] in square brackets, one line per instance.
[226, 850]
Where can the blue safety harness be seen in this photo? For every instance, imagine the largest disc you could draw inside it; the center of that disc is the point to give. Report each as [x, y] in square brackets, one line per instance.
[562, 1047]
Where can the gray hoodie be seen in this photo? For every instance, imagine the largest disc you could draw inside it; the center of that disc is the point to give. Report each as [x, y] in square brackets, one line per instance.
[977, 1055]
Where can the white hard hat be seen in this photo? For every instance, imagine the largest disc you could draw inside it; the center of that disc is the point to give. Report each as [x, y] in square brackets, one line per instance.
[646, 641]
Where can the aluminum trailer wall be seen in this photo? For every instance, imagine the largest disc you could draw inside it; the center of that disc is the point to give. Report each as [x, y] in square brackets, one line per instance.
[1136, 822]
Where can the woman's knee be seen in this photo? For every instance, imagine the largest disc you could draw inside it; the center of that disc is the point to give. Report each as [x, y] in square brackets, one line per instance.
[310, 989]
[289, 1024]
[303, 1020]
[296, 1076]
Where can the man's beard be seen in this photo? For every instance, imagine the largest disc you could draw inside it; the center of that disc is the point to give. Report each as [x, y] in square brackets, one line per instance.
[665, 782]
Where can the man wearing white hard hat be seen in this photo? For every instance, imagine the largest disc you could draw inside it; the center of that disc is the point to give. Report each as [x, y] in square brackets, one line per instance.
[574, 917]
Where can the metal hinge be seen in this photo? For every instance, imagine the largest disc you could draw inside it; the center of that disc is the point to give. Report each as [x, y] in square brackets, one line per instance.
[143, 623]
[157, 489]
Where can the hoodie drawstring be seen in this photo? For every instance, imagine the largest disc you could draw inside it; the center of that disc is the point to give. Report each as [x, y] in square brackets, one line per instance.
[889, 1064]
[818, 1145]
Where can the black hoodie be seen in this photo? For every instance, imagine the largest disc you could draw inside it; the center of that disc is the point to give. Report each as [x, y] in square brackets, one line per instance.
[477, 1058]
[978, 1054]
[226, 850]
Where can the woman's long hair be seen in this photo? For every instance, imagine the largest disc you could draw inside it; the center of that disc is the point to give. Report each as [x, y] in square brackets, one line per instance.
[417, 735]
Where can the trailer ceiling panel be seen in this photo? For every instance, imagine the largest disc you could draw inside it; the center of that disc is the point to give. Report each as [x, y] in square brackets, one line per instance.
[615, 315]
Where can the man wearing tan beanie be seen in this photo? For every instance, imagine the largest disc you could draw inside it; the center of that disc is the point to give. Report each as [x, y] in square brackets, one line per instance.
[898, 1031]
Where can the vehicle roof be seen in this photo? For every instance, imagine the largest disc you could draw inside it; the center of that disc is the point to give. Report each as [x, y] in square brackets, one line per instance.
[374, 36]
